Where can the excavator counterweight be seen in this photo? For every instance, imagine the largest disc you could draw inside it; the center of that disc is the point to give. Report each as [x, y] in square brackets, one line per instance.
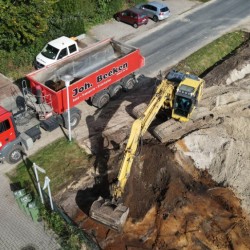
[178, 93]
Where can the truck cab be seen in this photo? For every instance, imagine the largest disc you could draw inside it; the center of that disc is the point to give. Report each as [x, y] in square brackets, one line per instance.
[56, 50]
[16, 138]
[7, 130]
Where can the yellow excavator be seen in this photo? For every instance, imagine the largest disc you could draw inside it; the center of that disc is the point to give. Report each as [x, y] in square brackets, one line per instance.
[179, 93]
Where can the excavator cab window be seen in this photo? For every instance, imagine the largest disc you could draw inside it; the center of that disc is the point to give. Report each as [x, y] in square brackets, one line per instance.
[182, 106]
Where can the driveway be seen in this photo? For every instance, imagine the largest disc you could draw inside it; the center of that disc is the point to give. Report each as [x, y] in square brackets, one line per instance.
[125, 32]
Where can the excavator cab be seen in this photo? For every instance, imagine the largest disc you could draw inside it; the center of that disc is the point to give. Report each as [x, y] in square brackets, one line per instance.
[188, 93]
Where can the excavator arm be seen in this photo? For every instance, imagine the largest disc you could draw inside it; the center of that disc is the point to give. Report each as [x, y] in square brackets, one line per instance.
[112, 212]
[179, 93]
[163, 96]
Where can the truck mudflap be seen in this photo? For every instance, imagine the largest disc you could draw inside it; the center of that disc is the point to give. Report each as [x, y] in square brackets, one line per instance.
[109, 213]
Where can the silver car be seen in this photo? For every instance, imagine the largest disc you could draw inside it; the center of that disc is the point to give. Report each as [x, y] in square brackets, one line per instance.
[156, 11]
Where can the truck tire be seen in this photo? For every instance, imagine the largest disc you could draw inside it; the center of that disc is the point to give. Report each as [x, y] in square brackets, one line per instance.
[115, 90]
[100, 99]
[74, 120]
[129, 84]
[15, 154]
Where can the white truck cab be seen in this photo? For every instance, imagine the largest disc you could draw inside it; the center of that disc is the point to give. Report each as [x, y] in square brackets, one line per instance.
[56, 50]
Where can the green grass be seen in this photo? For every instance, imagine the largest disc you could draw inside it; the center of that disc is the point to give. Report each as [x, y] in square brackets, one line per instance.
[64, 162]
[209, 55]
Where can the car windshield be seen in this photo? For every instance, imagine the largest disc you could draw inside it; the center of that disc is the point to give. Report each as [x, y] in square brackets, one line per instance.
[182, 106]
[50, 52]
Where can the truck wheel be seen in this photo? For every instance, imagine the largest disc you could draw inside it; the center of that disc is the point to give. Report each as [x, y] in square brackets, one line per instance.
[100, 99]
[129, 84]
[15, 154]
[115, 90]
[74, 121]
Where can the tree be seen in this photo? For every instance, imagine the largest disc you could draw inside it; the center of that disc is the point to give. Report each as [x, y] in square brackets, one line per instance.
[70, 16]
[21, 21]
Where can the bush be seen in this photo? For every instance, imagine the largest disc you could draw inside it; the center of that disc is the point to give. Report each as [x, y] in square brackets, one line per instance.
[70, 18]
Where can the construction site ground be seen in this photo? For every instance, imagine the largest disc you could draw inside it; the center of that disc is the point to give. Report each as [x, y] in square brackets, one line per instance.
[192, 193]
[189, 194]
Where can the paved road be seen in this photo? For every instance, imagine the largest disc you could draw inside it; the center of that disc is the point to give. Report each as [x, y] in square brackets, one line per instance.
[182, 36]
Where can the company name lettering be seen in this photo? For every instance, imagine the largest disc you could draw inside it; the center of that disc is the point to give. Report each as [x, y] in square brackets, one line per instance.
[86, 85]
[112, 72]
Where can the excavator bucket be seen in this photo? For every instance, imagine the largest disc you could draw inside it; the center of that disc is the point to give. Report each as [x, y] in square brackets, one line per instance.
[108, 213]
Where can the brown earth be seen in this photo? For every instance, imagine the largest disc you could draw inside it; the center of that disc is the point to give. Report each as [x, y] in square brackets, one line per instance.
[174, 197]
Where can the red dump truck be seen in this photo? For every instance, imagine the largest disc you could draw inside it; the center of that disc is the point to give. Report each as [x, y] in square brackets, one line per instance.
[95, 74]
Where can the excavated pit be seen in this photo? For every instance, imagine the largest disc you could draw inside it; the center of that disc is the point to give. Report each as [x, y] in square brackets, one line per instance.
[171, 208]
[174, 202]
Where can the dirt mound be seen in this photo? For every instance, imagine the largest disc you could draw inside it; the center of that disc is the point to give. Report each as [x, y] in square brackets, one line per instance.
[224, 149]
[149, 179]
[171, 208]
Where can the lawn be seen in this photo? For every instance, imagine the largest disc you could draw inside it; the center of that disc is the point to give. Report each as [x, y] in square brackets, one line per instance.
[63, 162]
[212, 53]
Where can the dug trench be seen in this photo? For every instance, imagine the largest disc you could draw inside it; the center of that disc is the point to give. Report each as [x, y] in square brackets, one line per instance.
[170, 208]
[173, 204]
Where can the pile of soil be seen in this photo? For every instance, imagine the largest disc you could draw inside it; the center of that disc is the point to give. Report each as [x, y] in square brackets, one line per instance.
[171, 208]
[186, 210]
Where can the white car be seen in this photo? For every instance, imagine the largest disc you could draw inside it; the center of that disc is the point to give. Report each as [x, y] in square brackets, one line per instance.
[56, 50]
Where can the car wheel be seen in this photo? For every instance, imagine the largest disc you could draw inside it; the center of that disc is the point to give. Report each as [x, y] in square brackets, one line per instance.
[15, 154]
[135, 25]
[118, 19]
[155, 18]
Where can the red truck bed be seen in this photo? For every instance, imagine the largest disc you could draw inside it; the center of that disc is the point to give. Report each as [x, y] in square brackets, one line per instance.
[94, 68]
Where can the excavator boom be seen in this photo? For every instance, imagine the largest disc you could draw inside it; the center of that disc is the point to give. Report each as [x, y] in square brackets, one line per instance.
[112, 212]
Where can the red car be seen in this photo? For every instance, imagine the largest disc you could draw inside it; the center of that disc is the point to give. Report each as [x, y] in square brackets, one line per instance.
[132, 16]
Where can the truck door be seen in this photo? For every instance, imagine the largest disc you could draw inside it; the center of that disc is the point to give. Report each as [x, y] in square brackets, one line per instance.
[62, 53]
[72, 49]
[7, 132]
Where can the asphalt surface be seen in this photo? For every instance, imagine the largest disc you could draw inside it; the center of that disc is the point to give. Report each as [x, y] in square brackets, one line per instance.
[189, 32]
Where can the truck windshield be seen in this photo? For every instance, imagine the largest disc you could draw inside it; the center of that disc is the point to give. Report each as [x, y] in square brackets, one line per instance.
[50, 52]
[182, 106]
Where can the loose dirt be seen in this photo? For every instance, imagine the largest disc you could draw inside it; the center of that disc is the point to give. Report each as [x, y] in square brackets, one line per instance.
[192, 194]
